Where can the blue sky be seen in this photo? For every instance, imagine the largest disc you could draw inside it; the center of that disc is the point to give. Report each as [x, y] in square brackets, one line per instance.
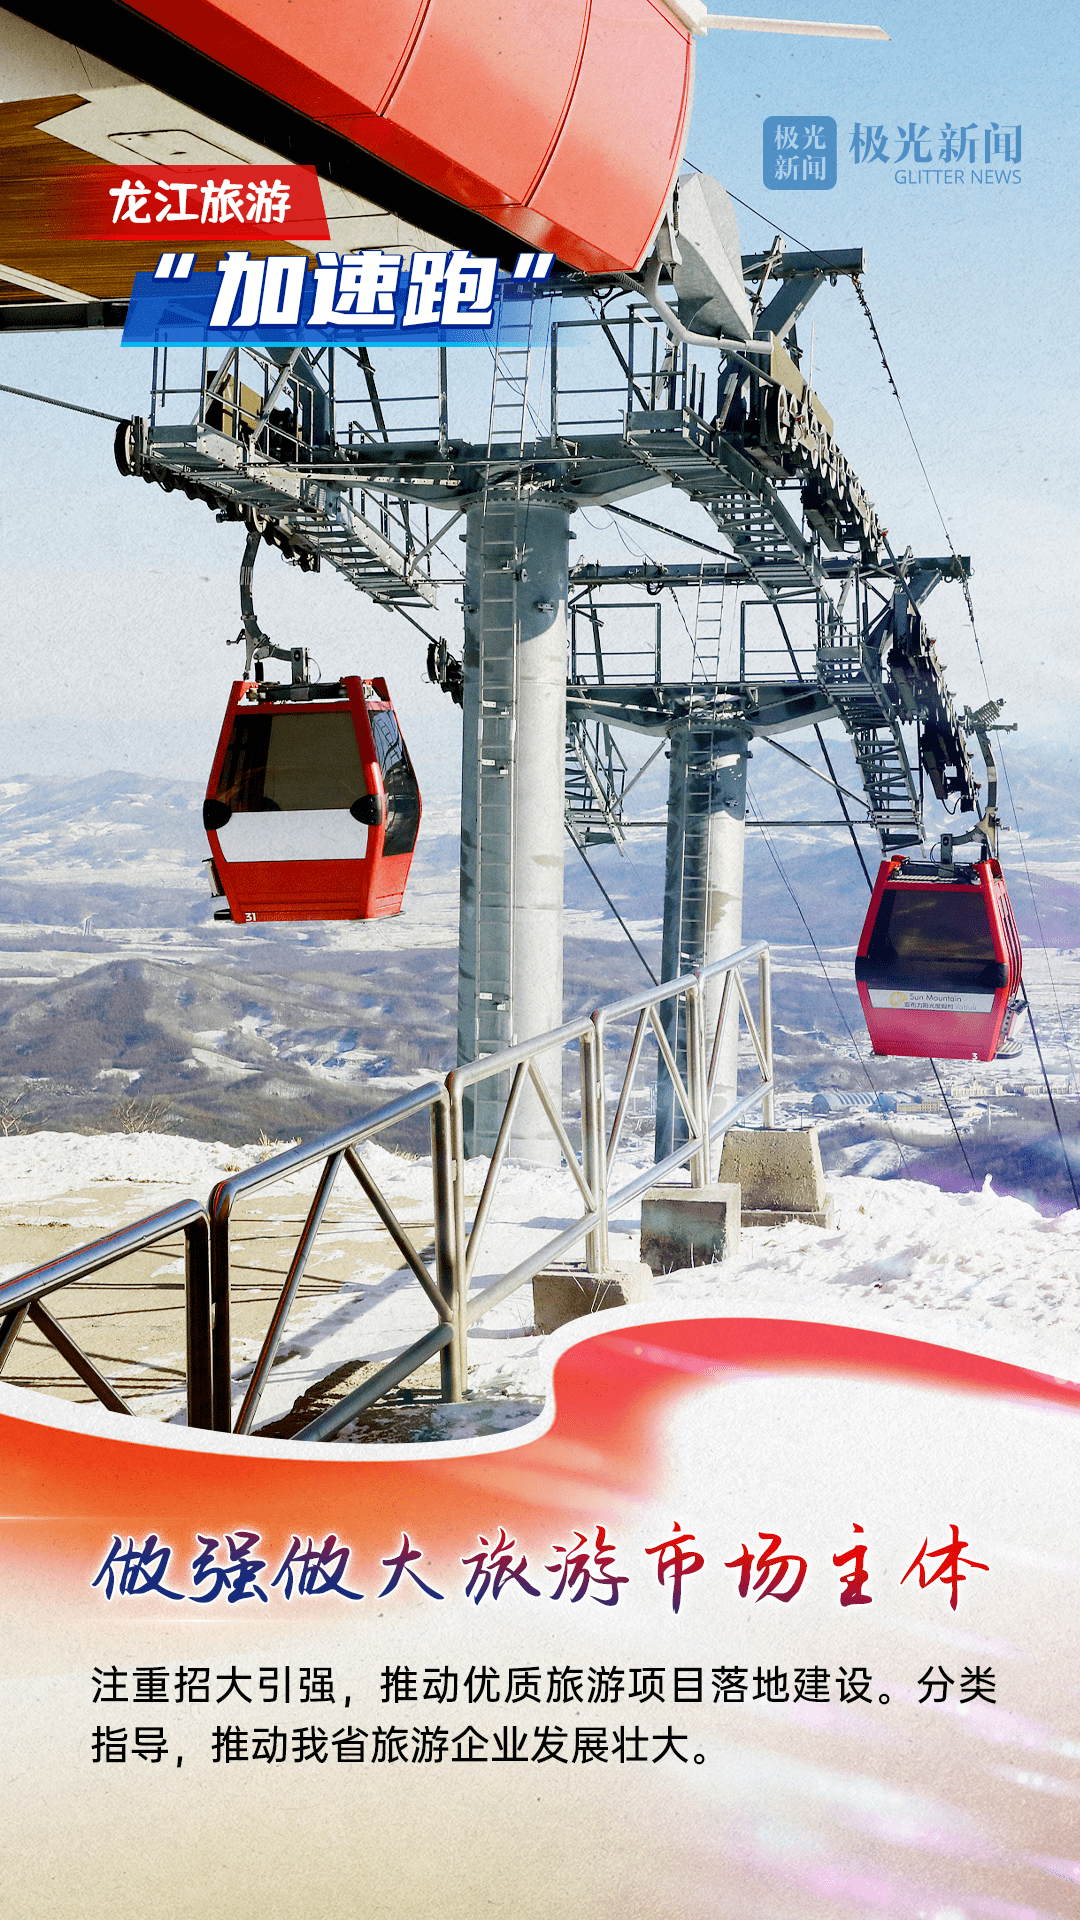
[965, 282]
[118, 599]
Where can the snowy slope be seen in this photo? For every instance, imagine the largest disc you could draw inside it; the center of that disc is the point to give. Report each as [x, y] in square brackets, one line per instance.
[969, 1270]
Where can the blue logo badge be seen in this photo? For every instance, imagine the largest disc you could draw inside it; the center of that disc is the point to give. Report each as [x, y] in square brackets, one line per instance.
[798, 153]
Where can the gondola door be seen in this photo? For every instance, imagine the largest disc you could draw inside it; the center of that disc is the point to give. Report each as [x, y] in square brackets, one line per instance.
[312, 809]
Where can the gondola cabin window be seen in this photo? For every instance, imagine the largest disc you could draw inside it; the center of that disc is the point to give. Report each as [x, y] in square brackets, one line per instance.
[943, 935]
[399, 780]
[291, 761]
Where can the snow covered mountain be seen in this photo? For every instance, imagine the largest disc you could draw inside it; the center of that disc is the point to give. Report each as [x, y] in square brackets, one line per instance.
[122, 1000]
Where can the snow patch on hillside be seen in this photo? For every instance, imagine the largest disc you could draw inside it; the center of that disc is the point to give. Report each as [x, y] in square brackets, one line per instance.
[38, 1166]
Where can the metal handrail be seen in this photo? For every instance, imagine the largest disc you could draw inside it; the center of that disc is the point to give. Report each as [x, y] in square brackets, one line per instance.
[597, 1155]
[332, 1150]
[207, 1229]
[466, 1243]
[21, 1297]
[697, 1096]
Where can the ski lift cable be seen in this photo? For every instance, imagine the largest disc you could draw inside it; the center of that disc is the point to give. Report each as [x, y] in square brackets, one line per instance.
[1053, 1106]
[768, 221]
[1000, 755]
[631, 545]
[843, 807]
[779, 865]
[955, 1128]
[819, 736]
[614, 909]
[864, 303]
[69, 406]
[1038, 921]
[986, 684]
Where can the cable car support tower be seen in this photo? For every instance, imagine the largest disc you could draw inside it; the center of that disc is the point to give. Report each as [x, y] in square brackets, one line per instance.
[616, 398]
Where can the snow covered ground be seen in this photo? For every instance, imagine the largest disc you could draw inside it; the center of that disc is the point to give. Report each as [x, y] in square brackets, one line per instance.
[975, 1270]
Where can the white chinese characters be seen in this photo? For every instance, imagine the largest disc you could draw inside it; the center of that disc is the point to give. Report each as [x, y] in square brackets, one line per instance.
[451, 289]
[210, 202]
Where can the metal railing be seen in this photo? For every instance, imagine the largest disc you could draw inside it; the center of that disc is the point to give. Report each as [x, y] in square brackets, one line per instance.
[649, 374]
[675, 1005]
[696, 1093]
[694, 1089]
[334, 1151]
[21, 1299]
[523, 1060]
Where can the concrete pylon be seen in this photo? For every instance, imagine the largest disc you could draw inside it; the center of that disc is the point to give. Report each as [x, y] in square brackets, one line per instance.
[512, 805]
[703, 893]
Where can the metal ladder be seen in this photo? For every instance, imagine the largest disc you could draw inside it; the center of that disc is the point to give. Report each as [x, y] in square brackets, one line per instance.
[708, 633]
[751, 527]
[753, 517]
[512, 357]
[850, 674]
[745, 505]
[495, 795]
[497, 692]
[595, 777]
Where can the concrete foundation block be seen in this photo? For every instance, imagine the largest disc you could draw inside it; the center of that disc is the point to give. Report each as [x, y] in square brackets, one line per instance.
[779, 1216]
[690, 1226]
[565, 1292]
[780, 1173]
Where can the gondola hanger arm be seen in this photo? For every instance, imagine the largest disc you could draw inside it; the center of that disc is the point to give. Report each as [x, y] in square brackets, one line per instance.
[982, 723]
[259, 646]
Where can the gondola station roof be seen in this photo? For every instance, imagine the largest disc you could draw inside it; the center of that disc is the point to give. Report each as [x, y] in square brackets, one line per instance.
[427, 121]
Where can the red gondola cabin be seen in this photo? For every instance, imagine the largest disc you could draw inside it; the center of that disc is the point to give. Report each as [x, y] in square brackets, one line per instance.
[313, 809]
[939, 963]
